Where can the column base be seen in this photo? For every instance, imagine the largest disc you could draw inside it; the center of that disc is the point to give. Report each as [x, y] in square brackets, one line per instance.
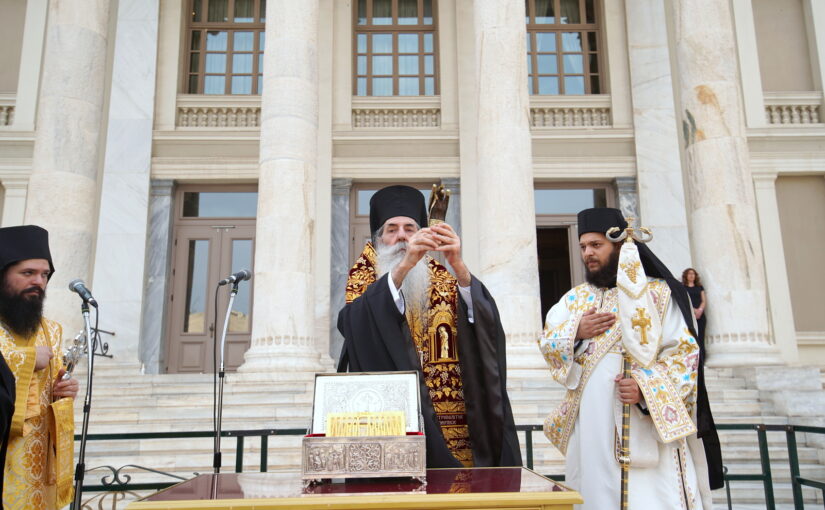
[737, 353]
[282, 359]
[523, 352]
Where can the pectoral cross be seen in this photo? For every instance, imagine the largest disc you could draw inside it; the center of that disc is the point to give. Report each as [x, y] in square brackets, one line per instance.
[641, 321]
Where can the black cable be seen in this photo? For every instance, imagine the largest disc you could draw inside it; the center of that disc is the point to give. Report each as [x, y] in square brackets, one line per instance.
[215, 370]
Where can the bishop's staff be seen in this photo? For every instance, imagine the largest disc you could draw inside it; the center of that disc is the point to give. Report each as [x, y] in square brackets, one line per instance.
[636, 328]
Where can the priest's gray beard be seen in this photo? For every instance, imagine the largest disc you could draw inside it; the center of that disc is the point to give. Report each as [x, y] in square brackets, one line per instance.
[415, 284]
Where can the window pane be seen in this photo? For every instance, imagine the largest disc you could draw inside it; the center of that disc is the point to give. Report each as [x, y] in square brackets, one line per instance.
[242, 64]
[216, 41]
[530, 86]
[241, 84]
[407, 12]
[527, 41]
[570, 12]
[594, 63]
[194, 61]
[218, 10]
[574, 85]
[219, 204]
[548, 64]
[214, 84]
[564, 201]
[262, 41]
[196, 40]
[362, 43]
[571, 41]
[529, 64]
[382, 86]
[591, 41]
[216, 62]
[545, 41]
[428, 43]
[382, 12]
[548, 85]
[573, 64]
[428, 12]
[589, 12]
[544, 11]
[428, 64]
[362, 65]
[595, 88]
[407, 43]
[244, 11]
[193, 85]
[408, 86]
[263, 11]
[260, 63]
[429, 86]
[243, 41]
[362, 12]
[196, 10]
[361, 88]
[408, 64]
[194, 318]
[241, 309]
[382, 66]
[382, 43]
[260, 84]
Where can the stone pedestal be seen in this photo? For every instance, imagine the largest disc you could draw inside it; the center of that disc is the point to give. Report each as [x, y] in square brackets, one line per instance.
[283, 340]
[506, 214]
[724, 234]
[658, 164]
[63, 190]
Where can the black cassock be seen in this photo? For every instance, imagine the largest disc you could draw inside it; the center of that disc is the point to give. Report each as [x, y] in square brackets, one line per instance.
[377, 339]
[7, 393]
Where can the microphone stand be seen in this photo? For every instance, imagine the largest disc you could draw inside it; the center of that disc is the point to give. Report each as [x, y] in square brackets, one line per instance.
[80, 469]
[216, 463]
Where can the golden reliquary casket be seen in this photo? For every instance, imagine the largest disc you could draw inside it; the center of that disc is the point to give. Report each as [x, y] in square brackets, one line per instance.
[365, 425]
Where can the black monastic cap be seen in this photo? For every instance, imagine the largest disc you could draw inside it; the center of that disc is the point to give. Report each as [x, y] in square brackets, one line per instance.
[23, 243]
[395, 201]
[600, 219]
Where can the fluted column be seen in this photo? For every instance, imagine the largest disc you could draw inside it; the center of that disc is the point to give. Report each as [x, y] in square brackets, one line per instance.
[63, 188]
[283, 340]
[661, 197]
[506, 210]
[725, 238]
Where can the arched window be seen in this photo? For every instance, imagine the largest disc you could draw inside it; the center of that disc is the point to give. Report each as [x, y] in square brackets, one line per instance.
[563, 47]
[395, 48]
[225, 45]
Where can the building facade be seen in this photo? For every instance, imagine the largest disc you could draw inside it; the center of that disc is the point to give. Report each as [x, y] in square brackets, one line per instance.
[168, 143]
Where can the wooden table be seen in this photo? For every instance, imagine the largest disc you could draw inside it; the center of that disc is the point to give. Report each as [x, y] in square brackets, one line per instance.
[478, 488]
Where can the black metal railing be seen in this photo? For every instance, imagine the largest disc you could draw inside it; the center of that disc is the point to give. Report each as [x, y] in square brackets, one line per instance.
[118, 481]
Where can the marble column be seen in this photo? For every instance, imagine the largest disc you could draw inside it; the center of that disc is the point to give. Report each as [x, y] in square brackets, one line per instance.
[727, 249]
[155, 291]
[506, 210]
[31, 58]
[283, 340]
[629, 198]
[340, 260]
[658, 161]
[124, 198]
[14, 201]
[454, 211]
[63, 187]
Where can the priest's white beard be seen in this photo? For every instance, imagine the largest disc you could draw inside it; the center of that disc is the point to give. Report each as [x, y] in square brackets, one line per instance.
[415, 284]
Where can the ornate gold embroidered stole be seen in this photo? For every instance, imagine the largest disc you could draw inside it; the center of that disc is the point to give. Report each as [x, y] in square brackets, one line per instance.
[435, 338]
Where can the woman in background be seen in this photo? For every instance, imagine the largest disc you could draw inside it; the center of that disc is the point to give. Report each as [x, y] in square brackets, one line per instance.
[693, 284]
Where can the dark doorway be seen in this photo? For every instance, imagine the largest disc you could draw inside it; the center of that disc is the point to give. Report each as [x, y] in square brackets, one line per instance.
[554, 265]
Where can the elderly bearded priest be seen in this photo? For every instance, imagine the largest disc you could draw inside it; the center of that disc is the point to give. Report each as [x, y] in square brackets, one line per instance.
[405, 311]
[38, 471]
[582, 343]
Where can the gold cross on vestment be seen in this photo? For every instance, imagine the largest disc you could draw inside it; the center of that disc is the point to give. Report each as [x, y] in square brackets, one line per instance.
[642, 321]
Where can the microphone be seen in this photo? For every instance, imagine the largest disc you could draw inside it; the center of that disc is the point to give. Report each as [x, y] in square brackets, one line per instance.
[85, 294]
[243, 274]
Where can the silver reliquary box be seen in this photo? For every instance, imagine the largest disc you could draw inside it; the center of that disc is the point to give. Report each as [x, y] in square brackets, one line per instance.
[357, 455]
